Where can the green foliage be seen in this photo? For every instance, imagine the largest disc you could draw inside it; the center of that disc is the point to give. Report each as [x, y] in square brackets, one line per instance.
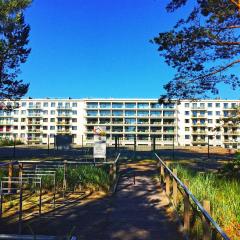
[220, 191]
[9, 142]
[84, 176]
[201, 47]
[14, 34]
[3, 173]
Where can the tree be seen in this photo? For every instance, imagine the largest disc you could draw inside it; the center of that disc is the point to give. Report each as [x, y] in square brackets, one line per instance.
[202, 48]
[14, 34]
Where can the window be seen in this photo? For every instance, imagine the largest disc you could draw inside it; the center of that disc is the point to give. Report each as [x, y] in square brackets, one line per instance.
[92, 113]
[155, 113]
[209, 113]
[117, 105]
[52, 135]
[23, 119]
[45, 112]
[16, 112]
[52, 104]
[217, 120]
[45, 120]
[92, 105]
[23, 112]
[218, 137]
[15, 128]
[74, 104]
[52, 127]
[24, 104]
[217, 113]
[194, 105]
[74, 127]
[130, 129]
[202, 105]
[142, 113]
[130, 105]
[217, 105]
[23, 127]
[225, 105]
[117, 113]
[187, 129]
[155, 105]
[130, 120]
[45, 104]
[210, 121]
[67, 105]
[60, 104]
[52, 112]
[74, 120]
[130, 113]
[15, 119]
[187, 136]
[186, 113]
[105, 105]
[209, 105]
[45, 127]
[233, 105]
[186, 120]
[186, 105]
[52, 119]
[143, 105]
[105, 113]
[74, 112]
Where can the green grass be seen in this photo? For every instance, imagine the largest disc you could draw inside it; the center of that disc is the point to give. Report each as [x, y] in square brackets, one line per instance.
[223, 194]
[84, 176]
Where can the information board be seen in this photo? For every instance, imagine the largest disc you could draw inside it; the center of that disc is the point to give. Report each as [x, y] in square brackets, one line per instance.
[100, 143]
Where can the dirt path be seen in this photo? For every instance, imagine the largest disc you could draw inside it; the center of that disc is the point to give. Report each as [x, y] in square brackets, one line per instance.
[137, 211]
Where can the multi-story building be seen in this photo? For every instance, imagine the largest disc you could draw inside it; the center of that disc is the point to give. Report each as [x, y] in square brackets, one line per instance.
[37, 121]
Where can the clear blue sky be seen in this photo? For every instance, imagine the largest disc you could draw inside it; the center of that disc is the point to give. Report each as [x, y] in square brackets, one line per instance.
[98, 48]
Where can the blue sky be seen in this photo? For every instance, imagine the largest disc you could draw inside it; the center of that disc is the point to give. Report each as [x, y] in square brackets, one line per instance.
[98, 48]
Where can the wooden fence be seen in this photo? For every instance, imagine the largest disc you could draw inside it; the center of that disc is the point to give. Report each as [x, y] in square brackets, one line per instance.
[176, 190]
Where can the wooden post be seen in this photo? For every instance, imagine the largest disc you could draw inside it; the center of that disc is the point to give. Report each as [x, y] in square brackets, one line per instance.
[186, 214]
[207, 235]
[175, 188]
[40, 198]
[168, 182]
[20, 170]
[114, 171]
[168, 185]
[20, 201]
[162, 173]
[64, 177]
[10, 174]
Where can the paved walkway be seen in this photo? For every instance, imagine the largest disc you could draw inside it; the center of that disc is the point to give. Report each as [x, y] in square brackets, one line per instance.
[137, 211]
[141, 211]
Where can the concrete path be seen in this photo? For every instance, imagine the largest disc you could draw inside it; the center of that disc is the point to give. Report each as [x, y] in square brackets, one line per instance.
[140, 211]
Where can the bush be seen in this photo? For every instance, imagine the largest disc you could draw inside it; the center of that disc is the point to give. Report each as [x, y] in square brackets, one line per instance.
[10, 142]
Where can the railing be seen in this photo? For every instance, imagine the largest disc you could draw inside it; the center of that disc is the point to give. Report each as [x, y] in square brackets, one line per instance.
[189, 200]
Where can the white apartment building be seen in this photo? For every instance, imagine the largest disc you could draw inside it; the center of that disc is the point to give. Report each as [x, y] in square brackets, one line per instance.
[37, 121]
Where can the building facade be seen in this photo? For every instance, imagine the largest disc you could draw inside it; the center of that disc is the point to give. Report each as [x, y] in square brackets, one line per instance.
[37, 121]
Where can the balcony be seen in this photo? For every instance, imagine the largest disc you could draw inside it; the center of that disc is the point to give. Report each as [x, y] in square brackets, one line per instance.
[35, 107]
[232, 133]
[64, 108]
[31, 115]
[199, 133]
[34, 123]
[2, 123]
[33, 131]
[34, 140]
[63, 131]
[63, 123]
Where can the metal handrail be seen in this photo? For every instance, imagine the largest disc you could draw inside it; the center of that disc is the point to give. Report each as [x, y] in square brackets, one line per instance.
[116, 160]
[7, 163]
[200, 207]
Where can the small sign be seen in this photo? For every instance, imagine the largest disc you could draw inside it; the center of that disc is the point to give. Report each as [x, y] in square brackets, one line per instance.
[100, 143]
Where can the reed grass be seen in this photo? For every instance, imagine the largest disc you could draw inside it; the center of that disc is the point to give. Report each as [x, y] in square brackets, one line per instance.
[223, 193]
